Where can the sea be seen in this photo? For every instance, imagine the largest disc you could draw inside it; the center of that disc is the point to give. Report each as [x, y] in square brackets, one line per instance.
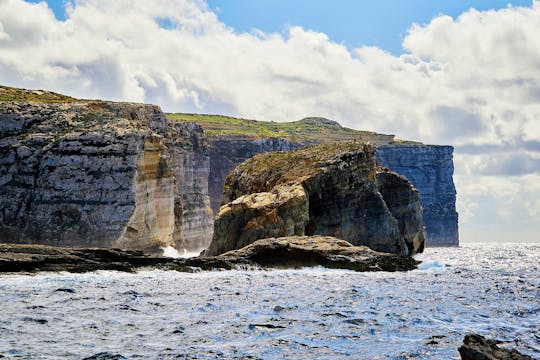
[311, 313]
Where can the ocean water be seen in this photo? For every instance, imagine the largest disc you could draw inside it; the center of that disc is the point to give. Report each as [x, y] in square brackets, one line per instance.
[310, 313]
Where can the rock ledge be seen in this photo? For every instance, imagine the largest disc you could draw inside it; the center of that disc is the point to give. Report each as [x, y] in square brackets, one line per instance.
[291, 252]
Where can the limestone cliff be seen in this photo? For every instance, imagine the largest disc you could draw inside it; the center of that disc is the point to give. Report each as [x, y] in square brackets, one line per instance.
[333, 189]
[94, 173]
[428, 167]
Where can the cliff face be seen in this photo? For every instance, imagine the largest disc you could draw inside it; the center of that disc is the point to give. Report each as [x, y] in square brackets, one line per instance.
[332, 189]
[92, 173]
[429, 168]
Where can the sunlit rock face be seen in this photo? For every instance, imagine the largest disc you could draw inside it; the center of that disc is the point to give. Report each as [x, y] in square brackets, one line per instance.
[333, 189]
[226, 152]
[92, 173]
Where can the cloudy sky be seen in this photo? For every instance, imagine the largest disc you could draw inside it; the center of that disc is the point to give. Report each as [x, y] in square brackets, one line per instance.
[464, 73]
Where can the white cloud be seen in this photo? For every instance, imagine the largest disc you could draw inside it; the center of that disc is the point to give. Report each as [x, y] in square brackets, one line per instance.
[473, 81]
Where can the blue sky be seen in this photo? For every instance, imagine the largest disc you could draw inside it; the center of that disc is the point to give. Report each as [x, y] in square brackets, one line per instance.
[350, 22]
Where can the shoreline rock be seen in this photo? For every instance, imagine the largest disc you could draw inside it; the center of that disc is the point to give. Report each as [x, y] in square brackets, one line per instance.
[293, 252]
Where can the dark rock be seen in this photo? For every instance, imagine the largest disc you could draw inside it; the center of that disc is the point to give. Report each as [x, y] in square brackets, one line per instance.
[301, 251]
[106, 356]
[66, 290]
[477, 347]
[333, 189]
[430, 169]
[285, 252]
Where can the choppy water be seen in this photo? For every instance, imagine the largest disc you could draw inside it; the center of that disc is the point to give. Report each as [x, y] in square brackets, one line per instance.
[294, 314]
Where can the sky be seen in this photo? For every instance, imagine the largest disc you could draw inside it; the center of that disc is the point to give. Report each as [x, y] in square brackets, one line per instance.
[463, 73]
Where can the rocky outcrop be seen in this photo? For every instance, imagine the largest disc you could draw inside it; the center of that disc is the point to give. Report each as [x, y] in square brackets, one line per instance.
[301, 251]
[93, 173]
[430, 169]
[227, 152]
[294, 252]
[477, 347]
[332, 189]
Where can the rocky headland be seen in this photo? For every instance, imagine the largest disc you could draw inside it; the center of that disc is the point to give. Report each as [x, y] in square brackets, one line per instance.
[333, 189]
[91, 173]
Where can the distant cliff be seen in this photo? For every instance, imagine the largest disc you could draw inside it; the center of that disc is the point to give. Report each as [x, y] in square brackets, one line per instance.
[94, 173]
[428, 167]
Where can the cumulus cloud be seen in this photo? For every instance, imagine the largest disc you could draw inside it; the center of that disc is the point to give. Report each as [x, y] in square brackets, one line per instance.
[473, 81]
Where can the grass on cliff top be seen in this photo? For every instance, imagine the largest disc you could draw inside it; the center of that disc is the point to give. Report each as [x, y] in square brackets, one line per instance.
[308, 130]
[24, 95]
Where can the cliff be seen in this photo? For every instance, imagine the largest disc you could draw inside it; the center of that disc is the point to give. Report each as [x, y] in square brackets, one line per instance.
[428, 167]
[333, 189]
[94, 173]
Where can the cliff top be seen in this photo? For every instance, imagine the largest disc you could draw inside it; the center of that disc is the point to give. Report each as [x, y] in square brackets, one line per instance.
[269, 169]
[309, 130]
[25, 95]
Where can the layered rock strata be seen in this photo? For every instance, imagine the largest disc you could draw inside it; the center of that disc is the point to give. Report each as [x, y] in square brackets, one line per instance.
[93, 173]
[333, 189]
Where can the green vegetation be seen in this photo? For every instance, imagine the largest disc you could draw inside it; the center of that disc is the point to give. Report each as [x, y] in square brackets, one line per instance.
[308, 130]
[24, 95]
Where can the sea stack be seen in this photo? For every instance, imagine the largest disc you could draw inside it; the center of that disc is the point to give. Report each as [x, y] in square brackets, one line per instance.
[333, 189]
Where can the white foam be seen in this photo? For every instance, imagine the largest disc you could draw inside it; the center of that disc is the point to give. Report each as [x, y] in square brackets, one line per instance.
[169, 251]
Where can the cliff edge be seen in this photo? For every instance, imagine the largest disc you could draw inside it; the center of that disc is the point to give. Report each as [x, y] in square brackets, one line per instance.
[96, 173]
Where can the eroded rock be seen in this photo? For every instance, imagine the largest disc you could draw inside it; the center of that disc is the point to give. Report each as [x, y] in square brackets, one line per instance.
[286, 252]
[301, 251]
[477, 347]
[340, 185]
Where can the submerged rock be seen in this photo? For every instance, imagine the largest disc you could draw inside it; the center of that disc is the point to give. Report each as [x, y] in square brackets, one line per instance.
[333, 189]
[477, 347]
[106, 356]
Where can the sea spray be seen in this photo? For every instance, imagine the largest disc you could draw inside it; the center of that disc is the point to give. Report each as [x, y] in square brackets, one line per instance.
[170, 251]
